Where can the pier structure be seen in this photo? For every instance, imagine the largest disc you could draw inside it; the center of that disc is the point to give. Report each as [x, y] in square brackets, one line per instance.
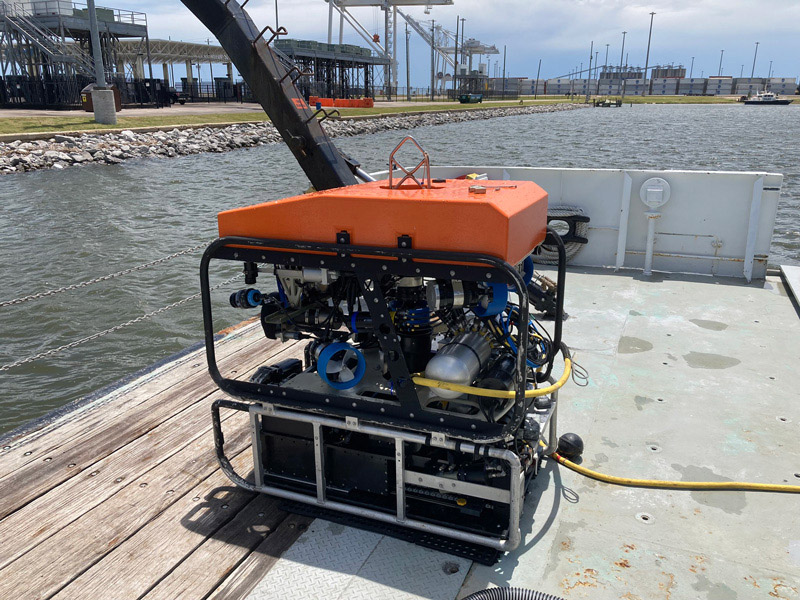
[131, 60]
[46, 53]
[334, 70]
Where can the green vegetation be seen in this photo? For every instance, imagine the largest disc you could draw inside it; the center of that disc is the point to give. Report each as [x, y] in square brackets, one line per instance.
[56, 124]
[11, 125]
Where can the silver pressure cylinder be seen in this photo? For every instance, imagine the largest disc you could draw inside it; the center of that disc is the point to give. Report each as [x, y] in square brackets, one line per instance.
[460, 361]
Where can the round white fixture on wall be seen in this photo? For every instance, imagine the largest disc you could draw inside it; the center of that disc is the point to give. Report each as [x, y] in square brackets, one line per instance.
[655, 193]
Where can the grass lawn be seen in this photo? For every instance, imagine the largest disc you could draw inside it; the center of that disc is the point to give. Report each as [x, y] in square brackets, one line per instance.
[39, 124]
[13, 125]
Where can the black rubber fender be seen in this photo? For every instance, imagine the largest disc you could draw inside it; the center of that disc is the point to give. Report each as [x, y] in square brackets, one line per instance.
[505, 593]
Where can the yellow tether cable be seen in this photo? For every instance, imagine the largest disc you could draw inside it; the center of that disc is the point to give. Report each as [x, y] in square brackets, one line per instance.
[741, 486]
[468, 389]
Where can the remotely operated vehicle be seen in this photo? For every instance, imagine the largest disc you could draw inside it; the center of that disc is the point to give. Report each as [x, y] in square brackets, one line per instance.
[427, 394]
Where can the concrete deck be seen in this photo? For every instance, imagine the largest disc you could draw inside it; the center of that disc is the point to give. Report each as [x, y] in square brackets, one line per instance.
[692, 378]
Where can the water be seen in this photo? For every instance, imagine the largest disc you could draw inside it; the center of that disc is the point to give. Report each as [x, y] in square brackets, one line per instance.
[61, 227]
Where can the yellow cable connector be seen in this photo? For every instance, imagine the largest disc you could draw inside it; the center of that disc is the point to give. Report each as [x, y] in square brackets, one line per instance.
[476, 391]
[738, 486]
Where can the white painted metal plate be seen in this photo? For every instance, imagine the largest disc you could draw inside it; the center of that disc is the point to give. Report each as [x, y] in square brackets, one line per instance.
[714, 223]
[792, 277]
[336, 562]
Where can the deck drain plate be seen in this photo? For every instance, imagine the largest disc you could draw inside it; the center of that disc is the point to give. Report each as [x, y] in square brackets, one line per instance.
[479, 554]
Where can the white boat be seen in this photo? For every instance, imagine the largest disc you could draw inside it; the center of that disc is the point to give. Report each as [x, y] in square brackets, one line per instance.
[767, 99]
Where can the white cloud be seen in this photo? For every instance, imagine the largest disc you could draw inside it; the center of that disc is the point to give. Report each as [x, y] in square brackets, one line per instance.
[559, 31]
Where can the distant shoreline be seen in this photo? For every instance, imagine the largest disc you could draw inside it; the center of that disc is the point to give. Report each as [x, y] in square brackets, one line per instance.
[28, 126]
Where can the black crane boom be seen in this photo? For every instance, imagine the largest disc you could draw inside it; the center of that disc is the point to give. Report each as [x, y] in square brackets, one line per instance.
[272, 85]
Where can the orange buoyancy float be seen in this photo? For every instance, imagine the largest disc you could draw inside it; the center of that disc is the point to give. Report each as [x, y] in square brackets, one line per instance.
[505, 219]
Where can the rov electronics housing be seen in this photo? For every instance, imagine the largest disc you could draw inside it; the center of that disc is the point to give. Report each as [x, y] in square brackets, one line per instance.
[401, 456]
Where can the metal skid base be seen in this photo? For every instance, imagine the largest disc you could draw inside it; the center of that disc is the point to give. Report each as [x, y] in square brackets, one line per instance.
[381, 482]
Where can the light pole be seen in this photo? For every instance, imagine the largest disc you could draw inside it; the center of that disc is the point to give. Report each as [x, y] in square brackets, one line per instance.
[691, 69]
[536, 83]
[504, 72]
[103, 103]
[621, 55]
[210, 67]
[589, 81]
[597, 70]
[433, 68]
[408, 68]
[647, 58]
[755, 55]
[721, 54]
[769, 73]
[463, 53]
[455, 56]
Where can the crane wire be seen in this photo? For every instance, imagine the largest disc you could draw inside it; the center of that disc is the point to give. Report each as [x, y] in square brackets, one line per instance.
[105, 332]
[102, 278]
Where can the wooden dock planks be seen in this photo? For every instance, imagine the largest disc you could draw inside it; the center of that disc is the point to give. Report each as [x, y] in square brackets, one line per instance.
[125, 498]
[109, 428]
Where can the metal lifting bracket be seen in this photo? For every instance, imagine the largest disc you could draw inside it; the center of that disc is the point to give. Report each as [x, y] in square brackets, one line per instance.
[280, 31]
[294, 69]
[327, 114]
[410, 173]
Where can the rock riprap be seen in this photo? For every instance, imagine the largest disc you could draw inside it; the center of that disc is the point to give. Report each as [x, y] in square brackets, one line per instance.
[63, 151]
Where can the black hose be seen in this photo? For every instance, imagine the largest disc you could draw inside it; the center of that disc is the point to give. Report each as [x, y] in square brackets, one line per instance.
[511, 594]
[560, 285]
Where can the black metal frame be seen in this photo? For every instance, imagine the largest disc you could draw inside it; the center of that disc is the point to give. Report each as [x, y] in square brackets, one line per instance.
[369, 264]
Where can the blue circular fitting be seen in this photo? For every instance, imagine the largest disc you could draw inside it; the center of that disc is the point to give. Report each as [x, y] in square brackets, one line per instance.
[253, 297]
[328, 352]
[498, 303]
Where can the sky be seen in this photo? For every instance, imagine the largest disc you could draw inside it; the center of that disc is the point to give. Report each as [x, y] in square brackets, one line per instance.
[558, 32]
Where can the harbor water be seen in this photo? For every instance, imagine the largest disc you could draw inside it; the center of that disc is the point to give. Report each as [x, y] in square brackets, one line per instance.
[63, 227]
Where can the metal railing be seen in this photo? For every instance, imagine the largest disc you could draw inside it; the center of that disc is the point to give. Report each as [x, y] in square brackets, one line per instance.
[423, 94]
[65, 8]
[23, 19]
[219, 91]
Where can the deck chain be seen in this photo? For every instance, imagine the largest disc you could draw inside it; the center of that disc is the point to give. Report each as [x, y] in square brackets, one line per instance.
[102, 278]
[100, 334]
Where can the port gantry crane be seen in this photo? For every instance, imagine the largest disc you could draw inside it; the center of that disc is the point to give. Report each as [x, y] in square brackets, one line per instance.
[391, 10]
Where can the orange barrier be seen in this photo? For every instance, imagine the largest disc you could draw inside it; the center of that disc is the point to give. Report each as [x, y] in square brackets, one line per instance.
[342, 102]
